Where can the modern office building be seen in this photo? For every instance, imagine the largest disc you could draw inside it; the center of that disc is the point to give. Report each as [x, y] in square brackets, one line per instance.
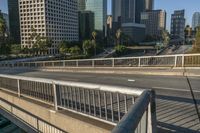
[155, 21]
[81, 5]
[6, 18]
[99, 8]
[195, 20]
[127, 13]
[14, 23]
[56, 20]
[178, 23]
[116, 10]
[130, 10]
[86, 24]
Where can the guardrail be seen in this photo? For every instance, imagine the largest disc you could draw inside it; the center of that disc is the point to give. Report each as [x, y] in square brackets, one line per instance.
[184, 60]
[108, 104]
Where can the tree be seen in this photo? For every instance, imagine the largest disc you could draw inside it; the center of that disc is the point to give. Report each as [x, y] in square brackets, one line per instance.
[118, 35]
[88, 47]
[2, 28]
[63, 47]
[94, 34]
[40, 45]
[75, 50]
[15, 49]
[120, 49]
[165, 37]
[196, 46]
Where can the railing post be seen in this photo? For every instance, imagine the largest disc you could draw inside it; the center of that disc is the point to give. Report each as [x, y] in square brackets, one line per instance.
[93, 63]
[139, 63]
[152, 114]
[113, 62]
[18, 88]
[63, 63]
[55, 96]
[175, 62]
[76, 63]
[183, 60]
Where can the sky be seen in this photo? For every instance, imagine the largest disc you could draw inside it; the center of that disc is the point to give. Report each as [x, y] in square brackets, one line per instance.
[190, 7]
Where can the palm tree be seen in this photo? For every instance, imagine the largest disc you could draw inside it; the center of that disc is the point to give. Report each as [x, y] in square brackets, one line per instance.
[118, 35]
[94, 34]
[2, 28]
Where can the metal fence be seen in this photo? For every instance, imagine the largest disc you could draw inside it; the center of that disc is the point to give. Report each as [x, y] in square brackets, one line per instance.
[109, 104]
[36, 124]
[185, 60]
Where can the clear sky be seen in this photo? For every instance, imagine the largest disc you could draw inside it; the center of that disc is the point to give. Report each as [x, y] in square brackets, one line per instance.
[190, 6]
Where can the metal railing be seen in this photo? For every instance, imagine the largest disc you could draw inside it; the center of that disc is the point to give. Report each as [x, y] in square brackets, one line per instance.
[36, 124]
[108, 104]
[181, 60]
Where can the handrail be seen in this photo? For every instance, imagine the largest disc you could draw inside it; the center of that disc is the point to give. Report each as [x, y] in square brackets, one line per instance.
[130, 121]
[179, 60]
[92, 86]
[107, 104]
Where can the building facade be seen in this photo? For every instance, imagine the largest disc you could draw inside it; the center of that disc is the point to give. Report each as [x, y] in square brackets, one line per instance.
[127, 13]
[155, 21]
[86, 24]
[130, 10]
[178, 23]
[6, 18]
[116, 10]
[81, 5]
[195, 20]
[14, 23]
[99, 8]
[56, 20]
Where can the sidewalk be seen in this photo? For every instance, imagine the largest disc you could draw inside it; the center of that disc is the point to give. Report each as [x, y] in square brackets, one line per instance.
[137, 71]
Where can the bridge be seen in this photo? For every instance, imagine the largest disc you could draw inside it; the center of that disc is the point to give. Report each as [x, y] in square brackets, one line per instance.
[124, 103]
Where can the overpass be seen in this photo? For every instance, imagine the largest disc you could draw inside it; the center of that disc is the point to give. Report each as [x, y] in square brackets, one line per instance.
[176, 95]
[50, 106]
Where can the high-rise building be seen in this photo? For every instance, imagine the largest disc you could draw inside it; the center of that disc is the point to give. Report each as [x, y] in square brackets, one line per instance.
[86, 24]
[178, 23]
[195, 20]
[6, 18]
[116, 10]
[14, 23]
[155, 21]
[99, 8]
[127, 14]
[56, 20]
[81, 5]
[130, 10]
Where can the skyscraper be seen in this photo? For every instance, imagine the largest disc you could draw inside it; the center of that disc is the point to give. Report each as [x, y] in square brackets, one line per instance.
[155, 21]
[99, 8]
[56, 20]
[116, 10]
[81, 5]
[178, 23]
[86, 24]
[195, 20]
[14, 24]
[6, 18]
[130, 10]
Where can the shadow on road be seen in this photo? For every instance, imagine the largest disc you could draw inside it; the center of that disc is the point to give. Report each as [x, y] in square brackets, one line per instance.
[177, 115]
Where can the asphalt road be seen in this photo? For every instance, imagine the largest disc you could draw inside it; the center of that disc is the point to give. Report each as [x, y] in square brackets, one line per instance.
[175, 108]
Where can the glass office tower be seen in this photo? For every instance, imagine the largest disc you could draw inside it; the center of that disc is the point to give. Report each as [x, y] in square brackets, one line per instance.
[99, 8]
[14, 24]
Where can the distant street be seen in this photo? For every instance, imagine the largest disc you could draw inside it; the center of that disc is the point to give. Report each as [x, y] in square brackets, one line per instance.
[175, 107]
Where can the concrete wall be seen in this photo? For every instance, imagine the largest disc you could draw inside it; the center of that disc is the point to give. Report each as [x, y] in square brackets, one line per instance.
[69, 122]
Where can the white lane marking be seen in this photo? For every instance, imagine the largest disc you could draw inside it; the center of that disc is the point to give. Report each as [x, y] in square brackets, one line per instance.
[131, 80]
[174, 89]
